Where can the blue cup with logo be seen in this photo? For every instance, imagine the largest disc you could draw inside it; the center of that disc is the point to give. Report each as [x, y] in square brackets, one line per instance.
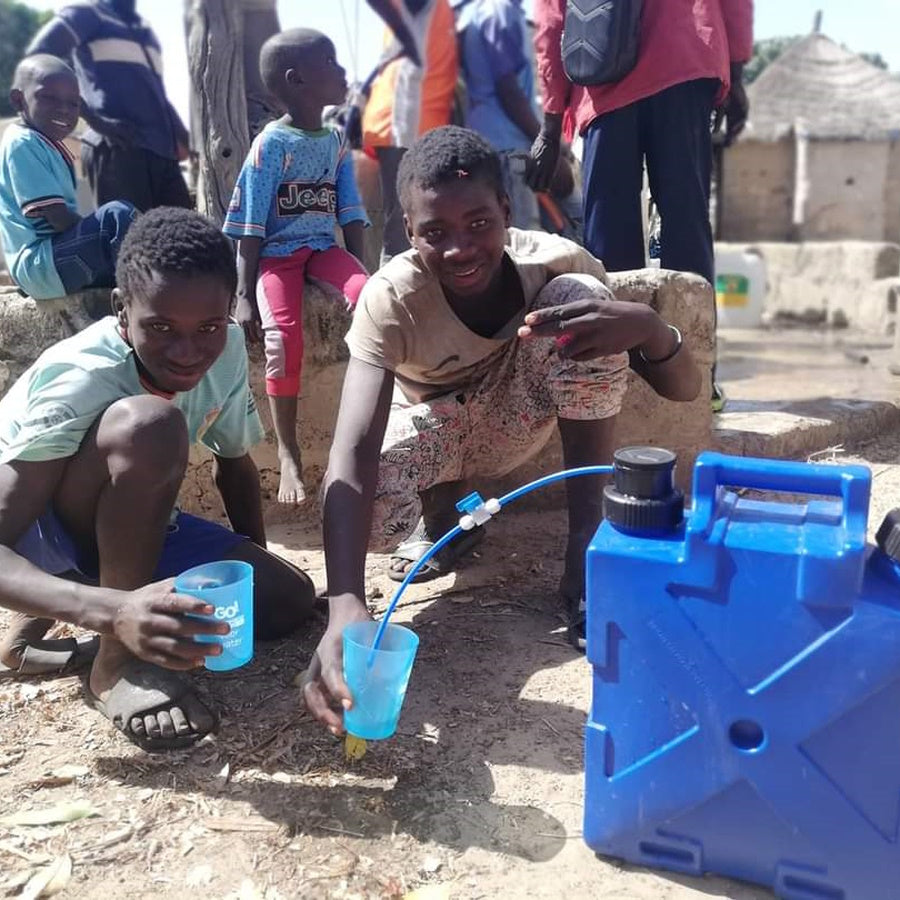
[226, 585]
[377, 678]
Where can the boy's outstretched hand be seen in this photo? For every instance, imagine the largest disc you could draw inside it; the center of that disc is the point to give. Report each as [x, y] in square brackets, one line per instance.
[155, 624]
[323, 684]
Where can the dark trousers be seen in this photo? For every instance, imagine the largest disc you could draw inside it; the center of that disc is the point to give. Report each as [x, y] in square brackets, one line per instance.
[394, 239]
[671, 130]
[138, 176]
[85, 254]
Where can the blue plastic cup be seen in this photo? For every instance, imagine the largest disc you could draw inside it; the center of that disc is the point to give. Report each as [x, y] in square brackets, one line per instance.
[377, 679]
[228, 586]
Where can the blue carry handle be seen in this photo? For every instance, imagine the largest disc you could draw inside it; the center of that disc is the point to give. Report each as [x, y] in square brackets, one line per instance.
[823, 579]
[851, 483]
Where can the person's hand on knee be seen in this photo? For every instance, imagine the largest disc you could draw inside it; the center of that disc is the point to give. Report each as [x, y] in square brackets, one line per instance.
[598, 325]
[157, 625]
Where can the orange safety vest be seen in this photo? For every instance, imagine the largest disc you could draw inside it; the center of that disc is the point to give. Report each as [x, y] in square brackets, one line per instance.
[407, 100]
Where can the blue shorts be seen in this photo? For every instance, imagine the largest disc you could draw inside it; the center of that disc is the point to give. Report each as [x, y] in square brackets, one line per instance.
[190, 541]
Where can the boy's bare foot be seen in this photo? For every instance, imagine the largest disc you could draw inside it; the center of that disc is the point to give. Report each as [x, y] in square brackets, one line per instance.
[151, 706]
[291, 489]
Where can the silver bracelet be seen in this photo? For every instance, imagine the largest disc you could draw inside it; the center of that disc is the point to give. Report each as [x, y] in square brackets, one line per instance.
[679, 340]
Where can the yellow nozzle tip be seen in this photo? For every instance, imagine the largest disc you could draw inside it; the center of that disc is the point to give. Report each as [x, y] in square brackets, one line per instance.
[354, 747]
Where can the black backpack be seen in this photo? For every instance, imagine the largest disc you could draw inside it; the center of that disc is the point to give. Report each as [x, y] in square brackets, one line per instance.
[601, 39]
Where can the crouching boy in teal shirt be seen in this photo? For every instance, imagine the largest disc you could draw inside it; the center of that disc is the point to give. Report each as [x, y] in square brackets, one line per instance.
[94, 442]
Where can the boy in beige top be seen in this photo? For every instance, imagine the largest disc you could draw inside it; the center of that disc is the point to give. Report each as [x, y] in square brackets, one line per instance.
[452, 324]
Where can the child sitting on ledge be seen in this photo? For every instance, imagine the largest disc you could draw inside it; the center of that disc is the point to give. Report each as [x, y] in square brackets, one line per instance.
[50, 250]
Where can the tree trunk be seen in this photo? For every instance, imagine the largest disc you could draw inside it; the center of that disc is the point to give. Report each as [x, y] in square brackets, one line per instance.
[218, 106]
[260, 23]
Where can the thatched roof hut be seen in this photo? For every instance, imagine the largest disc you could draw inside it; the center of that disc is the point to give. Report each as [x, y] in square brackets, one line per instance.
[833, 92]
[820, 158]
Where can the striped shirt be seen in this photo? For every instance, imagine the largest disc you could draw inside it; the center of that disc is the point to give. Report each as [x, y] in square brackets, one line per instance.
[119, 66]
[35, 172]
[293, 188]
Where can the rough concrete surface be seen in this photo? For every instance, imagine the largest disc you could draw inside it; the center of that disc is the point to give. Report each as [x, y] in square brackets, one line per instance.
[792, 392]
[851, 281]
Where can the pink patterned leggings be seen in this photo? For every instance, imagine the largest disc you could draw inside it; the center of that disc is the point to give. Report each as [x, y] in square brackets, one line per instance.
[279, 293]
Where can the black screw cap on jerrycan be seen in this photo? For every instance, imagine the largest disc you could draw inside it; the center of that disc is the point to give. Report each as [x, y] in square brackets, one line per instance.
[643, 498]
[888, 536]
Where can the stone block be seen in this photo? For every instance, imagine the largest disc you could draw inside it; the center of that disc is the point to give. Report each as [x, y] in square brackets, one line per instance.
[29, 326]
[796, 429]
[877, 305]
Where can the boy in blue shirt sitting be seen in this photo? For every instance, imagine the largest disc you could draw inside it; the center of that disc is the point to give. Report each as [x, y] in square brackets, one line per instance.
[295, 186]
[50, 250]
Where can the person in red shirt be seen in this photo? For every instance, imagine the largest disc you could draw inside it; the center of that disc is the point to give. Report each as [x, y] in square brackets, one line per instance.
[691, 59]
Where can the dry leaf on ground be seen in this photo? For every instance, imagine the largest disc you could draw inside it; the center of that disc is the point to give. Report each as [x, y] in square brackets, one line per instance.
[62, 812]
[232, 823]
[60, 776]
[430, 892]
[49, 880]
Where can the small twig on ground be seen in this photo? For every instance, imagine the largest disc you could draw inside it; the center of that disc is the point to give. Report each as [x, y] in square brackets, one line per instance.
[828, 451]
[554, 730]
[341, 831]
[115, 837]
[272, 735]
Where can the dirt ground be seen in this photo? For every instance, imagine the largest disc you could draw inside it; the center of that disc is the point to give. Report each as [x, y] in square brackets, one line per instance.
[478, 795]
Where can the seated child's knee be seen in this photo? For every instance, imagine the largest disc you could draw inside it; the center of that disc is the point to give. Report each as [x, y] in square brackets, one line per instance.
[569, 288]
[148, 432]
[120, 211]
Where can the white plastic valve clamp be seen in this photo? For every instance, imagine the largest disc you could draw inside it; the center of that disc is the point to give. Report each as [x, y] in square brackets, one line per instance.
[480, 515]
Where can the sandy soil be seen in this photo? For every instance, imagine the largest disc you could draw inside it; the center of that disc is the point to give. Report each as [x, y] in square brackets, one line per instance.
[479, 795]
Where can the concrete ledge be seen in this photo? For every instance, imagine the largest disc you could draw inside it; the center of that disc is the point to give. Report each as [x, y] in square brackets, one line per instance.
[796, 429]
[28, 326]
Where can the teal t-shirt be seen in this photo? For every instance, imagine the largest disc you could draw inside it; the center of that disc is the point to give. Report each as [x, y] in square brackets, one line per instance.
[34, 172]
[48, 411]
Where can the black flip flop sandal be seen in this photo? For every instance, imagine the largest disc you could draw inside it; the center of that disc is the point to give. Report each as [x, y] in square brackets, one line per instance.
[144, 689]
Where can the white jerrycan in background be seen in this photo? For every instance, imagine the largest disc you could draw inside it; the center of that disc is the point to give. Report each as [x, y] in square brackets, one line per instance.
[740, 288]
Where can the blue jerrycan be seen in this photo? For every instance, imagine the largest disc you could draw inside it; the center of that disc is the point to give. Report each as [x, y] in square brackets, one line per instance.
[745, 717]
